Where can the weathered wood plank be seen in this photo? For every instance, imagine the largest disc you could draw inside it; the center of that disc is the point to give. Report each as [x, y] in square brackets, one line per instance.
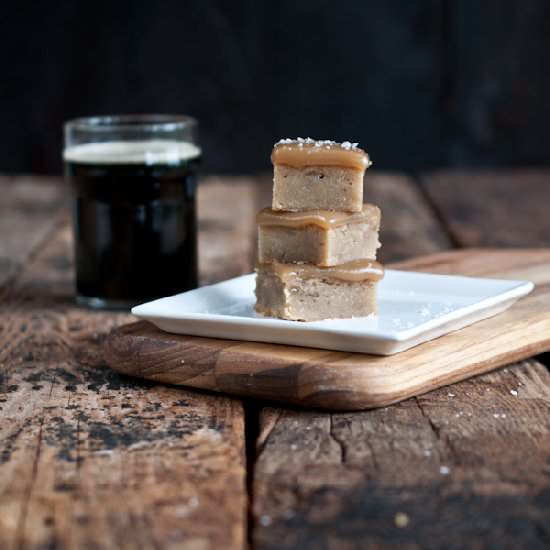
[29, 208]
[506, 208]
[228, 206]
[89, 458]
[463, 466]
[493, 208]
[108, 465]
[227, 233]
[409, 226]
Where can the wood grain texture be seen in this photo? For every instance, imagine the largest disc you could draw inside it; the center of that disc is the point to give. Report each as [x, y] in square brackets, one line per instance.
[409, 227]
[465, 466]
[91, 459]
[227, 233]
[337, 380]
[506, 208]
[30, 209]
[320, 480]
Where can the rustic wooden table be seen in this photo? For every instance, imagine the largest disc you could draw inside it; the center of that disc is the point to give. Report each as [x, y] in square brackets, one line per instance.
[89, 459]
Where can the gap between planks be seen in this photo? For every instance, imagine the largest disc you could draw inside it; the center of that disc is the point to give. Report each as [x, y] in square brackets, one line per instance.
[32, 210]
[437, 212]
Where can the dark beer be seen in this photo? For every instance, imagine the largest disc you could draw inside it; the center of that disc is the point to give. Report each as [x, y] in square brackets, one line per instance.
[134, 220]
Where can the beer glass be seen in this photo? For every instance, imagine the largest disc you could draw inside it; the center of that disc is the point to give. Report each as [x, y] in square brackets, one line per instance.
[133, 181]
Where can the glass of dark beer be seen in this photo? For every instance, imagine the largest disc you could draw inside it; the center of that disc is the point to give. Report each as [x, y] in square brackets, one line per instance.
[133, 180]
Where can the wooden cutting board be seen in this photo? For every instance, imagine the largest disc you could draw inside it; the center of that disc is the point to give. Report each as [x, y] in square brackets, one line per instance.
[351, 381]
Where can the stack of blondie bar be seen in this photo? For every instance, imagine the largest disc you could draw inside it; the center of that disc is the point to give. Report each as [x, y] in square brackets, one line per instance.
[317, 244]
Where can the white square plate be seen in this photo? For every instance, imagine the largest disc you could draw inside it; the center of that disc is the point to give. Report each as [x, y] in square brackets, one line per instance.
[413, 308]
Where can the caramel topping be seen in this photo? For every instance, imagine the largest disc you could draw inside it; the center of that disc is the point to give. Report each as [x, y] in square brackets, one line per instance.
[325, 219]
[359, 270]
[308, 152]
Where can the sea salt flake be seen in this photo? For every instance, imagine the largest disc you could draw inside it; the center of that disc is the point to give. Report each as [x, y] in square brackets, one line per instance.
[444, 470]
[514, 392]
[265, 520]
[401, 520]
[317, 143]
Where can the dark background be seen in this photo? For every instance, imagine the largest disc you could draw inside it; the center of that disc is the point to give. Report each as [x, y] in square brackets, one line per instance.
[420, 84]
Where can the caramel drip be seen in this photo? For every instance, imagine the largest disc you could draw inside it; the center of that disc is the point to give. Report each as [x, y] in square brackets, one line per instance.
[325, 219]
[359, 270]
[302, 153]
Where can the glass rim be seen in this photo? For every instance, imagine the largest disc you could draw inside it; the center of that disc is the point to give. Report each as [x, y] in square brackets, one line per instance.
[129, 122]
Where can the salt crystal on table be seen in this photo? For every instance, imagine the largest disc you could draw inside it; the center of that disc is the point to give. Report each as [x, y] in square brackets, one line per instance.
[401, 520]
[514, 392]
[265, 520]
[444, 470]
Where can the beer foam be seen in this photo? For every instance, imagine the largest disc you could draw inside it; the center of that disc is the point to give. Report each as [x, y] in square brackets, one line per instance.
[132, 152]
